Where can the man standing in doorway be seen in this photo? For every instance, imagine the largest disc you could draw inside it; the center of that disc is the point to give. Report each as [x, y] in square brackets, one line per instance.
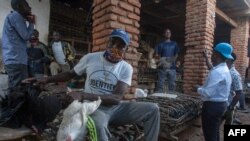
[166, 52]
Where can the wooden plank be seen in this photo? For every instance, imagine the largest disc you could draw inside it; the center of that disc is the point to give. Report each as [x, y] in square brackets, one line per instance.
[221, 15]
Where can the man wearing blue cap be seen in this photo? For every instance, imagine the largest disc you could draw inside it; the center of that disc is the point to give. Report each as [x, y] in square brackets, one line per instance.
[108, 77]
[215, 92]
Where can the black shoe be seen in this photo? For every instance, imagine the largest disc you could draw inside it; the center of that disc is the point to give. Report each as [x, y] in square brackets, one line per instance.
[242, 110]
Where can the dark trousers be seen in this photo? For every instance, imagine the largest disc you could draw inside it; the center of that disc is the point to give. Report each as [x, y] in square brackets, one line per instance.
[16, 73]
[211, 116]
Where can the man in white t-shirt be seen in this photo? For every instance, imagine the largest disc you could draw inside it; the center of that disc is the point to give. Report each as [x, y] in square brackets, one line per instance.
[108, 77]
[62, 55]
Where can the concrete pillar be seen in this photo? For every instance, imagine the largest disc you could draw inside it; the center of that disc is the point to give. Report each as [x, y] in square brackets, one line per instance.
[199, 35]
[111, 14]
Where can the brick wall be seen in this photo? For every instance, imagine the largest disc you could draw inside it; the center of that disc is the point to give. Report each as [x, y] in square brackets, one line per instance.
[239, 40]
[111, 14]
[199, 34]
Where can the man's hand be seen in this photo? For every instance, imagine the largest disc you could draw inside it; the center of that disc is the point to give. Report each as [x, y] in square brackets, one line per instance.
[76, 95]
[209, 64]
[29, 80]
[30, 18]
[229, 113]
[42, 80]
[194, 88]
[205, 53]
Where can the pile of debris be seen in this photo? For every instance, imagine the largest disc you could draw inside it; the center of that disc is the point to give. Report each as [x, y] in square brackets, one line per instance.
[176, 113]
[126, 132]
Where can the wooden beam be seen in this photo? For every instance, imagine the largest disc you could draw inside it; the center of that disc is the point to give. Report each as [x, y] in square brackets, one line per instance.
[240, 13]
[221, 15]
[247, 2]
[165, 20]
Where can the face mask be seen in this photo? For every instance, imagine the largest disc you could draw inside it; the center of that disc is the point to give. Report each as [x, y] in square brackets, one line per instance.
[113, 55]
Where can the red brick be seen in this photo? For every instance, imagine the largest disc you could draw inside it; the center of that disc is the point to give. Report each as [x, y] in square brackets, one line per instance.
[100, 41]
[135, 37]
[99, 14]
[137, 11]
[136, 3]
[124, 20]
[101, 20]
[135, 77]
[105, 4]
[126, 6]
[96, 9]
[134, 44]
[115, 24]
[103, 33]
[113, 17]
[132, 29]
[103, 47]
[136, 24]
[118, 11]
[114, 2]
[99, 28]
[134, 16]
[95, 49]
[97, 2]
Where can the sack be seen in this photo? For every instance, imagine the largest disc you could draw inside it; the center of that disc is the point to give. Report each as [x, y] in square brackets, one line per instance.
[75, 118]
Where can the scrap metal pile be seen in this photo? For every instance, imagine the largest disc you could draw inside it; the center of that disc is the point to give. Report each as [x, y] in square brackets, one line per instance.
[177, 112]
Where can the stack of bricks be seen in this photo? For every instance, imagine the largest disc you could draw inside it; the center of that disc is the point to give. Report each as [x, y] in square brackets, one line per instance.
[239, 40]
[111, 14]
[199, 35]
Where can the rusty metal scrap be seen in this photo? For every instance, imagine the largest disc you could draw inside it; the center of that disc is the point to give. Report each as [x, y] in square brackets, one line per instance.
[175, 113]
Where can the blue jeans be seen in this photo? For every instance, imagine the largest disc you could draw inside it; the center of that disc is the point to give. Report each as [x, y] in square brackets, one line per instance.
[211, 117]
[16, 73]
[170, 74]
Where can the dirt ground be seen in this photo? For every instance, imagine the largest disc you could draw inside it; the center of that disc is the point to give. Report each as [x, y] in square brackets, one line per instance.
[194, 132]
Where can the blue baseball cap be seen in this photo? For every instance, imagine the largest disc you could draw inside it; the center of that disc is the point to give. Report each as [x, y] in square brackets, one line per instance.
[121, 34]
[225, 50]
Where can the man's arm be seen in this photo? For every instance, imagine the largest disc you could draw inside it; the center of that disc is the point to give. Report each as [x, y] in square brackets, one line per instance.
[61, 77]
[209, 64]
[235, 99]
[18, 23]
[110, 99]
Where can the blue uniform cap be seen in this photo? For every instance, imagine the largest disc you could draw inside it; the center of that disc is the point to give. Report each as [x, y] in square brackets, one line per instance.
[225, 50]
[121, 34]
